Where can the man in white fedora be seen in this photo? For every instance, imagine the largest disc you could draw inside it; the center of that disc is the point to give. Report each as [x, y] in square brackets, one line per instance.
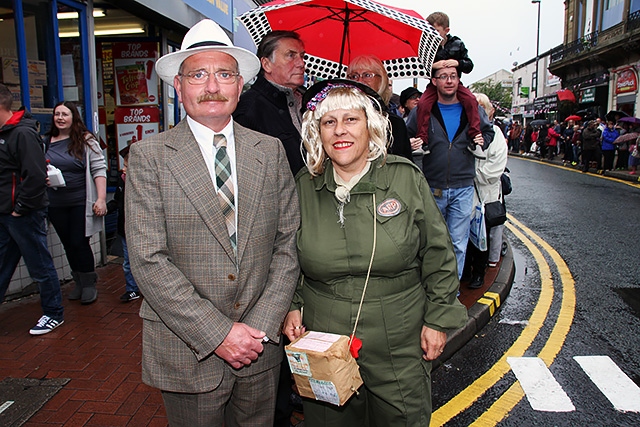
[212, 216]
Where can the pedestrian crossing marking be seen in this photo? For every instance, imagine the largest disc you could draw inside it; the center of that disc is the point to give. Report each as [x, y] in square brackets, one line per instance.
[541, 388]
[621, 391]
[5, 405]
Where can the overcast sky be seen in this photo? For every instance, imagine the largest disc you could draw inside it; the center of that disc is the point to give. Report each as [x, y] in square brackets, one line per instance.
[497, 33]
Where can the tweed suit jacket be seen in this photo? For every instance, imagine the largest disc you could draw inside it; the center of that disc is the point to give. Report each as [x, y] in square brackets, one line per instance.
[183, 262]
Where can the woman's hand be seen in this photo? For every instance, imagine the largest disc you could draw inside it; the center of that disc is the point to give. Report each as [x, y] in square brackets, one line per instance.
[293, 326]
[100, 208]
[432, 343]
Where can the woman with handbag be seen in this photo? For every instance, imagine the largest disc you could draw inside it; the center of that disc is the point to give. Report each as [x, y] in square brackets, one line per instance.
[77, 210]
[372, 246]
[488, 191]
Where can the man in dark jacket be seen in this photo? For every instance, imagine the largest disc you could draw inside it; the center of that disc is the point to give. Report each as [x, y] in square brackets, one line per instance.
[272, 104]
[450, 168]
[591, 146]
[23, 210]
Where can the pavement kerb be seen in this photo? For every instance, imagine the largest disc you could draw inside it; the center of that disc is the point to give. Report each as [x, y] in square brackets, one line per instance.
[483, 310]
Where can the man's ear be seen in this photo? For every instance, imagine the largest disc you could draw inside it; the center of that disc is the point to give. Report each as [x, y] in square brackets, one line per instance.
[265, 63]
[177, 85]
[446, 30]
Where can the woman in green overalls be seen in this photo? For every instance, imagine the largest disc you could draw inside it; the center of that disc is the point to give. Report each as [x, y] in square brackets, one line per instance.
[370, 220]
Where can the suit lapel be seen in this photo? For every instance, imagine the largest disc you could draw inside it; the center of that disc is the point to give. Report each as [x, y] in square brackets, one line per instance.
[190, 171]
[251, 169]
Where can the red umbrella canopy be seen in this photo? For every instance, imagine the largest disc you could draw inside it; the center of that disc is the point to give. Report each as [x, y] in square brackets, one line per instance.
[573, 117]
[566, 95]
[336, 31]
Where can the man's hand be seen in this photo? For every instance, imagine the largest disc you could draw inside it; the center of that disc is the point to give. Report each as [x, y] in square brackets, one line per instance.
[478, 139]
[432, 343]
[415, 143]
[241, 346]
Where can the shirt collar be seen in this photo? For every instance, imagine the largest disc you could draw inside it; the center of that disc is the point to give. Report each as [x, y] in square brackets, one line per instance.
[204, 135]
[377, 177]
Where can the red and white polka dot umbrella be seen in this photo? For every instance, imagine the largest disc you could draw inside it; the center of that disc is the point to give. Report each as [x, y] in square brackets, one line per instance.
[335, 31]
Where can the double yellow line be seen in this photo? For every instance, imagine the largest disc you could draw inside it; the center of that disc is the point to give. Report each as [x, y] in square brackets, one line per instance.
[505, 403]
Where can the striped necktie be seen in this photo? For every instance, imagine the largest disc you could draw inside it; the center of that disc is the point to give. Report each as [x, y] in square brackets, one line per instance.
[225, 187]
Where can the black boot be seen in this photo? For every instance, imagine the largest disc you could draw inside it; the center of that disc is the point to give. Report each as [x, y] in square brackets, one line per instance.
[76, 292]
[89, 291]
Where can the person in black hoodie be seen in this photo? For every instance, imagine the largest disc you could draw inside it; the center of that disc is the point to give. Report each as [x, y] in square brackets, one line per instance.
[23, 211]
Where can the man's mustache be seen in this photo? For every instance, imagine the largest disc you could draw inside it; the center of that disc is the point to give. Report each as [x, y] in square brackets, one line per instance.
[212, 97]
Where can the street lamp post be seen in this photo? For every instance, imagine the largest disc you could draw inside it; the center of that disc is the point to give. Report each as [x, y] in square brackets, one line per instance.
[537, 45]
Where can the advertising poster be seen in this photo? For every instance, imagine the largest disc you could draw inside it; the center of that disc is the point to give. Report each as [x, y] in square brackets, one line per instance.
[136, 83]
[100, 83]
[134, 124]
[102, 130]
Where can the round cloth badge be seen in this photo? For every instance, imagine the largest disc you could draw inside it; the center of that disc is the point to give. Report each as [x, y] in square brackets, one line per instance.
[389, 207]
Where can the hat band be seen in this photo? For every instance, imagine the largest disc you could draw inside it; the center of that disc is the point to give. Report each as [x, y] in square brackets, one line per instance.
[320, 96]
[206, 43]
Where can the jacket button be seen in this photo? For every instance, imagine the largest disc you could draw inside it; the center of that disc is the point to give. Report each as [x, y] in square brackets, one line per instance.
[236, 305]
[291, 104]
[231, 277]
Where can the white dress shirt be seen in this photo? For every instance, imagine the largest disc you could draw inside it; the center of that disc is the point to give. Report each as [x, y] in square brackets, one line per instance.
[204, 137]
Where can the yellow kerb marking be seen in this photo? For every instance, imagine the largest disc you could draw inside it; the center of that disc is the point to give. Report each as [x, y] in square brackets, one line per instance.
[495, 296]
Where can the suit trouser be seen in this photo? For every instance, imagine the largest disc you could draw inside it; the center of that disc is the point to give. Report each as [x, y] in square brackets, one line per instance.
[237, 401]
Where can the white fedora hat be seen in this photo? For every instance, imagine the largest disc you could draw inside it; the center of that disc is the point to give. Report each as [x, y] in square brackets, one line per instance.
[206, 35]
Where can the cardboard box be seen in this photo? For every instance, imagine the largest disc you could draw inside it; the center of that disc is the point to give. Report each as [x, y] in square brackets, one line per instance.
[37, 72]
[10, 71]
[36, 95]
[323, 367]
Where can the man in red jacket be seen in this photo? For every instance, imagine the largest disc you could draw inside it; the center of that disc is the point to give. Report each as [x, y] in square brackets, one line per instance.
[23, 210]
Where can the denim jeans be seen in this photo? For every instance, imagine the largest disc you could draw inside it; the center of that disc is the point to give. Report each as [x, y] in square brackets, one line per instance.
[456, 205]
[130, 282]
[26, 236]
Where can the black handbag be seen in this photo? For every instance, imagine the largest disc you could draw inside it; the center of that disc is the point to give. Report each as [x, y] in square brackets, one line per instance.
[495, 213]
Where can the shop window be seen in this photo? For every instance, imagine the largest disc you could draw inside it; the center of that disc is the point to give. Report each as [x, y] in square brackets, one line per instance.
[71, 56]
[10, 70]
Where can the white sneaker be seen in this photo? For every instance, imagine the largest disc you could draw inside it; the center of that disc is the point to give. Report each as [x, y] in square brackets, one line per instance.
[45, 325]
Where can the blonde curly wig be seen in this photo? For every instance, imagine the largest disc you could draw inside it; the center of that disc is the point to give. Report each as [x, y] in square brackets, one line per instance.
[343, 98]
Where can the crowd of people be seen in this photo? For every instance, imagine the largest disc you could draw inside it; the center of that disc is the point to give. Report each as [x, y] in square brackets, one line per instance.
[268, 213]
[587, 144]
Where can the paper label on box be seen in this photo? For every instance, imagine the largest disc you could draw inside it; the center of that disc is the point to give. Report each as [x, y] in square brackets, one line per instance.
[317, 341]
[325, 391]
[299, 363]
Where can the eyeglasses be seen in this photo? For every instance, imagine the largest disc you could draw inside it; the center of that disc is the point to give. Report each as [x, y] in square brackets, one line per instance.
[363, 76]
[452, 77]
[200, 77]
